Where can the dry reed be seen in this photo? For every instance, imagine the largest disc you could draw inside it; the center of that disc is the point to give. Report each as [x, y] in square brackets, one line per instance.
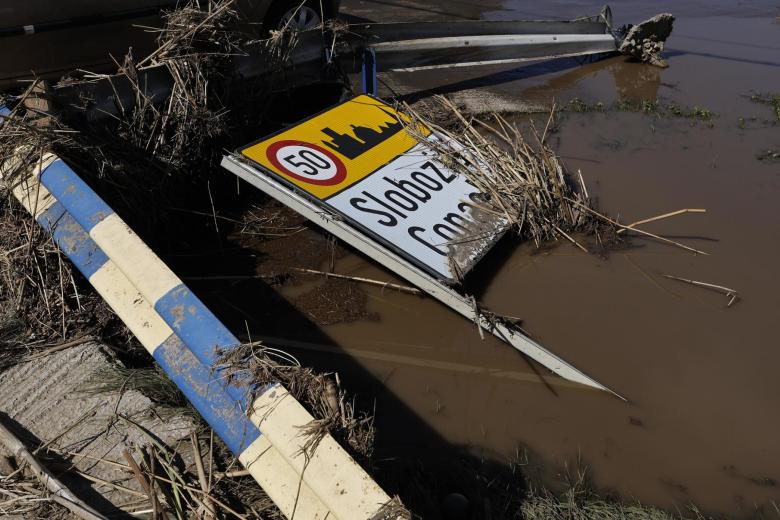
[523, 180]
[256, 366]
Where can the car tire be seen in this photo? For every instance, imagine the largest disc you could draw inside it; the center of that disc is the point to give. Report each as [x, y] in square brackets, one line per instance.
[293, 14]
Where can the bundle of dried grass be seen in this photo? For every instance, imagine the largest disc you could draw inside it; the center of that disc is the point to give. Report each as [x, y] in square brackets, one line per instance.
[195, 45]
[523, 180]
[38, 287]
[23, 496]
[257, 366]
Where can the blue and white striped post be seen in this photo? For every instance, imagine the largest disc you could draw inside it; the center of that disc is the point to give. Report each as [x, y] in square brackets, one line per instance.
[207, 395]
[183, 336]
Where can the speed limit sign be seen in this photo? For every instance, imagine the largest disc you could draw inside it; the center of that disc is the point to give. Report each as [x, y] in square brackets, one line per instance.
[307, 162]
[367, 163]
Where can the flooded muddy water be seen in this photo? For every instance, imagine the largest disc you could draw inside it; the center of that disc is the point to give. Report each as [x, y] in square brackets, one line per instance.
[701, 425]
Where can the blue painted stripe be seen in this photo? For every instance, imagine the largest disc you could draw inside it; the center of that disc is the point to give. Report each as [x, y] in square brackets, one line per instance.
[223, 413]
[203, 333]
[206, 394]
[71, 238]
[81, 202]
[49, 218]
[197, 332]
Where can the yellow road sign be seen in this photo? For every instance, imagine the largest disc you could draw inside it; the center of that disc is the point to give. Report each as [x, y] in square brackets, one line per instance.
[336, 148]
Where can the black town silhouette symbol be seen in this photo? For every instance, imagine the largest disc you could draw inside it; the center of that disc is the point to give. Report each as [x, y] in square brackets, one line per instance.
[365, 138]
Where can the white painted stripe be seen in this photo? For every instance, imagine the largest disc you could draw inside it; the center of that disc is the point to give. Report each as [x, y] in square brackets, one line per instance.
[27, 187]
[139, 263]
[282, 484]
[130, 305]
[339, 482]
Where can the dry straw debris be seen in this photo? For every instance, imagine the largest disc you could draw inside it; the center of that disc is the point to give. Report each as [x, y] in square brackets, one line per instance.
[195, 46]
[256, 366]
[523, 179]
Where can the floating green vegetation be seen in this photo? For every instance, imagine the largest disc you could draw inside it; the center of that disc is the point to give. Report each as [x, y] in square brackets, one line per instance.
[644, 106]
[769, 156]
[771, 99]
[578, 105]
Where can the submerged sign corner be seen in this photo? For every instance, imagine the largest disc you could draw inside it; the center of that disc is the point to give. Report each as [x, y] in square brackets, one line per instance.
[359, 160]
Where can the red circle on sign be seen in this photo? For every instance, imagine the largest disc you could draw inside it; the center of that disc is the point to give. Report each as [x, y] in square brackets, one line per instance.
[338, 177]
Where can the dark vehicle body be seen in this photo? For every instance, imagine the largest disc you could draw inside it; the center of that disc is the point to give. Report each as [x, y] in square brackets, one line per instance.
[49, 38]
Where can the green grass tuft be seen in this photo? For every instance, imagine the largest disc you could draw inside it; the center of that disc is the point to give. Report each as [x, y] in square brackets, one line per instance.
[771, 99]
[644, 106]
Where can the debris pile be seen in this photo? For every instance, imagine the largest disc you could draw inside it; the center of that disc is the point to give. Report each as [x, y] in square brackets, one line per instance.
[258, 366]
[645, 41]
[195, 46]
[523, 180]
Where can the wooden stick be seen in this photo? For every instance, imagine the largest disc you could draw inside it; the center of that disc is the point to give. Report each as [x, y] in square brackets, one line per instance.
[139, 476]
[207, 504]
[570, 239]
[196, 490]
[731, 293]
[102, 482]
[54, 439]
[60, 493]
[233, 474]
[160, 478]
[378, 283]
[402, 288]
[660, 217]
[637, 230]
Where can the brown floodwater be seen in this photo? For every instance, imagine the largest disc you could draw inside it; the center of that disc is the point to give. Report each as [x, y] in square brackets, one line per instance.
[701, 424]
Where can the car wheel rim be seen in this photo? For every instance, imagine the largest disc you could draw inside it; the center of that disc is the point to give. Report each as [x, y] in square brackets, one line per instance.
[300, 18]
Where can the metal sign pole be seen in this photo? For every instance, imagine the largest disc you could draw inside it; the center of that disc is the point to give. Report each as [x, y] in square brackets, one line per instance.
[368, 71]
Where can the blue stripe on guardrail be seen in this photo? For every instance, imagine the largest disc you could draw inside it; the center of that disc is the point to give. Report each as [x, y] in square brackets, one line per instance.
[189, 318]
[73, 240]
[206, 393]
[203, 333]
[202, 388]
[68, 188]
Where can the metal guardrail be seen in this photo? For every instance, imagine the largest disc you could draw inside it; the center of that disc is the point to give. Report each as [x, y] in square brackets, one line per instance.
[368, 48]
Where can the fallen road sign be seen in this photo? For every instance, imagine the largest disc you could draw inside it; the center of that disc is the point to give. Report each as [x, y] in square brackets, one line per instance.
[358, 160]
[357, 156]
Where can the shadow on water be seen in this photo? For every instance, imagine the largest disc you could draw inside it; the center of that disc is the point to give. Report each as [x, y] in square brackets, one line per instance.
[542, 68]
